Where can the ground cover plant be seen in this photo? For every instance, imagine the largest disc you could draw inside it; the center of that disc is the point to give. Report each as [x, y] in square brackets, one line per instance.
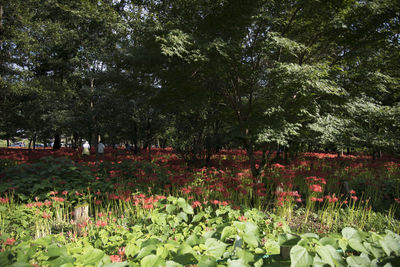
[164, 212]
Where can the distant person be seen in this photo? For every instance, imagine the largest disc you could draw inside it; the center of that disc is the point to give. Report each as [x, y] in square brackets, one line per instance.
[100, 149]
[127, 147]
[86, 148]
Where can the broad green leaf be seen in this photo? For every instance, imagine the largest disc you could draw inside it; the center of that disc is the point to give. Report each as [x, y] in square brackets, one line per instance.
[310, 236]
[193, 240]
[151, 241]
[183, 216]
[92, 256]
[198, 217]
[330, 255]
[227, 232]
[357, 261]
[184, 248]
[244, 255]
[376, 251]
[207, 261]
[185, 206]
[170, 208]
[146, 251]
[59, 261]
[250, 239]
[131, 249]
[152, 261]
[357, 245]
[4, 257]
[351, 233]
[172, 264]
[288, 240]
[390, 244]
[116, 264]
[299, 257]
[237, 263]
[185, 259]
[328, 241]
[215, 247]
[55, 251]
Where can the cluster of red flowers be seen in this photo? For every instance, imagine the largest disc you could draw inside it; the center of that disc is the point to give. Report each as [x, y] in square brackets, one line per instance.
[39, 204]
[290, 196]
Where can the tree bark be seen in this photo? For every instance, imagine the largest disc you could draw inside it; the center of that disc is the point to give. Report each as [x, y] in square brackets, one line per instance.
[57, 142]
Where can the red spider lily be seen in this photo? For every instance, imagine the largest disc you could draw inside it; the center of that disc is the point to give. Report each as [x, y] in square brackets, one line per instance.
[9, 241]
[186, 190]
[352, 192]
[46, 215]
[331, 199]
[397, 200]
[354, 198]
[53, 193]
[315, 188]
[115, 258]
[58, 199]
[315, 199]
[278, 166]
[4, 200]
[101, 223]
[196, 204]
[148, 206]
[64, 193]
[97, 202]
[215, 202]
[242, 218]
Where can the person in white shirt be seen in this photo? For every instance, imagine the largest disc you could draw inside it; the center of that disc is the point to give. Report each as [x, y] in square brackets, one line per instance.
[86, 148]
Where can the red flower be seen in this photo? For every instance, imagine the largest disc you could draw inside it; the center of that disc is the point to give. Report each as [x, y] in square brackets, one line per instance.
[115, 258]
[46, 215]
[10, 241]
[315, 188]
[242, 218]
[215, 202]
[101, 223]
[196, 204]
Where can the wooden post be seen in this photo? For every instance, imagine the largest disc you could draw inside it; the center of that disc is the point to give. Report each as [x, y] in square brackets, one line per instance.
[81, 216]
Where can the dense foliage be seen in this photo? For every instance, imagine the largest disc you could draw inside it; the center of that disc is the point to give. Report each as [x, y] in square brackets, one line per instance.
[166, 213]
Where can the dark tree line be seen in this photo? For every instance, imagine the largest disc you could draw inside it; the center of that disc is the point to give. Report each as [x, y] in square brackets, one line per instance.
[202, 75]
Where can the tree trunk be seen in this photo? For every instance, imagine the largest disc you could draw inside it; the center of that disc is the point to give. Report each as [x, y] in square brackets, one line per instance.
[75, 140]
[34, 141]
[57, 142]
